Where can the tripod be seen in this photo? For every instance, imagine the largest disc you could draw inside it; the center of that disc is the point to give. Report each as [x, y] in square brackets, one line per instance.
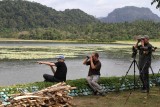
[134, 63]
[144, 80]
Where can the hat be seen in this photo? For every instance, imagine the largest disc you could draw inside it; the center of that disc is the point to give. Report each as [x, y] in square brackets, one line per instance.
[61, 57]
[146, 36]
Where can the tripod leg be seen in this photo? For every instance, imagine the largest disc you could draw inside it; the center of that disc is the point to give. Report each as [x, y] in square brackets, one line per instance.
[129, 68]
[152, 71]
[135, 63]
[126, 73]
[156, 80]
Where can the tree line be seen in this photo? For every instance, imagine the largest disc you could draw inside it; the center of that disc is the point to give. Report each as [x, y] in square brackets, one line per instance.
[99, 32]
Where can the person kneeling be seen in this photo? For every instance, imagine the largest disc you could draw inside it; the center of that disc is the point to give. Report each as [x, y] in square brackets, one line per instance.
[94, 73]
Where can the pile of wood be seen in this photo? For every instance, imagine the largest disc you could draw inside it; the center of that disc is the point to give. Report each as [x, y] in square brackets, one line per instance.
[54, 96]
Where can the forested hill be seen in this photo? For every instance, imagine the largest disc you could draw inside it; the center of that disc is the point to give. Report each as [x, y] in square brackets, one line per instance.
[130, 14]
[20, 15]
[30, 20]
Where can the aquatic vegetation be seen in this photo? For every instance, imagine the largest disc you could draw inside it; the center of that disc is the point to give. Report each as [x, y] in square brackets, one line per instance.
[30, 52]
[70, 51]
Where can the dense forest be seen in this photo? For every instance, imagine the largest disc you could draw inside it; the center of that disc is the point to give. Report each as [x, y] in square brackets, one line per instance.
[29, 20]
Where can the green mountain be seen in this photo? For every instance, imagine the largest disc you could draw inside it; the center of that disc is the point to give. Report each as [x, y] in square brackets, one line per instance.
[30, 20]
[130, 14]
[21, 15]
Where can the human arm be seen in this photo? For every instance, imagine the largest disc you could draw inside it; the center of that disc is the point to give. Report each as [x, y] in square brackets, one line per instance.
[85, 60]
[46, 63]
[49, 64]
[136, 45]
[92, 64]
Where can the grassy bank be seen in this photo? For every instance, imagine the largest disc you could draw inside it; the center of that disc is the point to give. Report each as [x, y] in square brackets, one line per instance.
[115, 98]
[121, 99]
[77, 41]
[109, 84]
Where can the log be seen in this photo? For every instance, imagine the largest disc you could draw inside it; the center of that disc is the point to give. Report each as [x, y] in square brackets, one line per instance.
[28, 96]
[54, 96]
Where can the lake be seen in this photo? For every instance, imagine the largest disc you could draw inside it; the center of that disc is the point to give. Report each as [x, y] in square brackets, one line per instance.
[26, 71]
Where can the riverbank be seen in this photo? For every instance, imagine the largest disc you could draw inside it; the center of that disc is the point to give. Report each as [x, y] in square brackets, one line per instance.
[126, 42]
[121, 99]
[116, 96]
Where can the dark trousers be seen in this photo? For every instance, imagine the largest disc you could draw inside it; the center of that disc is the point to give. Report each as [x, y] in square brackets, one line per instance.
[50, 78]
[144, 76]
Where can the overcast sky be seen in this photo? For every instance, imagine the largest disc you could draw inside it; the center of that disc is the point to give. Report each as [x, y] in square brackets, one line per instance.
[97, 8]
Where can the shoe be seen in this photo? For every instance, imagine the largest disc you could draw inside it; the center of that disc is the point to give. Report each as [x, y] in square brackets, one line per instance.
[144, 91]
[102, 94]
[95, 92]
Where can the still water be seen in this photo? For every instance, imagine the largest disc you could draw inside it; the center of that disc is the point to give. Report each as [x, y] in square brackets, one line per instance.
[18, 72]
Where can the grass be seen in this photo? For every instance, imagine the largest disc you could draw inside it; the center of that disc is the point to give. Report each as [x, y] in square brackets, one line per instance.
[22, 40]
[135, 99]
[154, 43]
[128, 98]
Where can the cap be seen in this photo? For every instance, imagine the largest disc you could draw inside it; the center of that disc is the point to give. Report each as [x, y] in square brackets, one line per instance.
[146, 36]
[61, 57]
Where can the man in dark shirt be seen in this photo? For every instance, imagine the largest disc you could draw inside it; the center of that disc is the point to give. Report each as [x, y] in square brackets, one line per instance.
[94, 72]
[145, 52]
[60, 73]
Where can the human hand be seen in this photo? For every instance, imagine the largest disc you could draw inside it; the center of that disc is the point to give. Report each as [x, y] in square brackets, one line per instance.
[91, 58]
[39, 62]
[142, 42]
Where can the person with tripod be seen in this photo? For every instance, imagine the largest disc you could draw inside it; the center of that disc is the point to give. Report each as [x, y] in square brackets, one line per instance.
[145, 54]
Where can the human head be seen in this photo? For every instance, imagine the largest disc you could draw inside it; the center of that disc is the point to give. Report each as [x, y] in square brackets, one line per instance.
[95, 56]
[146, 38]
[61, 58]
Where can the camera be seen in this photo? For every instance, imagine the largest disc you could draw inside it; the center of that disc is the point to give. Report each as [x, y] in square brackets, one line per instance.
[87, 57]
[142, 38]
[139, 39]
[134, 52]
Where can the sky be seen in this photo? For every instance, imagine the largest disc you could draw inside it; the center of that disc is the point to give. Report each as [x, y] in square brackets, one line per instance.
[97, 8]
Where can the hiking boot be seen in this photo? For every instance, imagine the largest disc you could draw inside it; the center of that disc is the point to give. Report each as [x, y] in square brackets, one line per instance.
[95, 92]
[102, 94]
[144, 91]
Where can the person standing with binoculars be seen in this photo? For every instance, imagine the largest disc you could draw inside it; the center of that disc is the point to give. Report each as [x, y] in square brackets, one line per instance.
[145, 54]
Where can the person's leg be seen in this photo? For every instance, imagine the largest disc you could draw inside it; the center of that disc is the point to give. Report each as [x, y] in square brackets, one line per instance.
[56, 80]
[146, 79]
[95, 84]
[48, 78]
[143, 81]
[89, 79]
